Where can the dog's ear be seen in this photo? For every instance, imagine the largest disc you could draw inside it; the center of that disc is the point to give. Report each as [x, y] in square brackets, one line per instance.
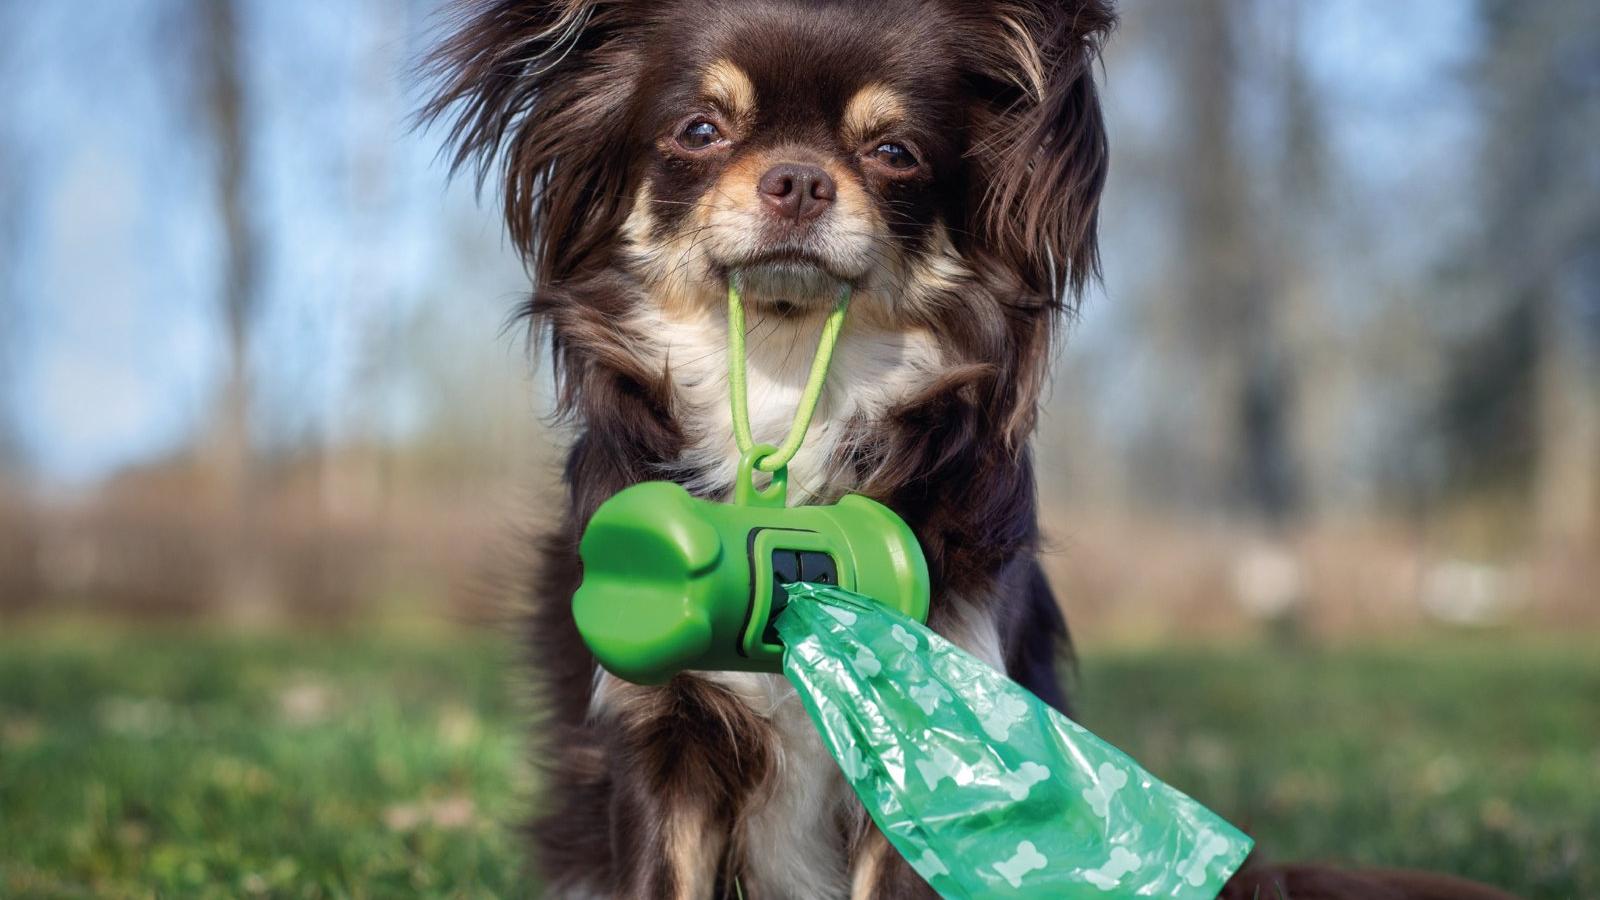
[1039, 142]
[538, 93]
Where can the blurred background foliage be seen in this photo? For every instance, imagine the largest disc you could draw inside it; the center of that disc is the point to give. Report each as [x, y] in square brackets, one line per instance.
[1320, 464]
[1343, 373]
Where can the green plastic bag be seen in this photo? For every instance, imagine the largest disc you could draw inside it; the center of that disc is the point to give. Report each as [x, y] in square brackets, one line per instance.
[984, 789]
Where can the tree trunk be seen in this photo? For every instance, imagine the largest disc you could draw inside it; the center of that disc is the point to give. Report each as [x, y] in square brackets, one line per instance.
[1231, 281]
[246, 590]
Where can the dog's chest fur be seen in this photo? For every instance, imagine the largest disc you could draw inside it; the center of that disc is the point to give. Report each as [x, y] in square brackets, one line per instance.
[795, 838]
[873, 370]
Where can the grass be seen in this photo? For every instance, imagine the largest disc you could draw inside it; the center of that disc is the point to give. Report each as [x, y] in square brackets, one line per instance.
[139, 763]
[1480, 759]
[196, 765]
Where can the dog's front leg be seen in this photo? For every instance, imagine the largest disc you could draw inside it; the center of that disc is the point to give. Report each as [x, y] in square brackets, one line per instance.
[684, 758]
[633, 807]
[667, 846]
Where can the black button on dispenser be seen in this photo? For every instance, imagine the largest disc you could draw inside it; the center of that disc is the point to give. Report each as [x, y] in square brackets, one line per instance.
[785, 567]
[785, 570]
[818, 568]
[788, 567]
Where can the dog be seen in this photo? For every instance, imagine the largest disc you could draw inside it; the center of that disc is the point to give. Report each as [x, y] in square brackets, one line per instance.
[944, 160]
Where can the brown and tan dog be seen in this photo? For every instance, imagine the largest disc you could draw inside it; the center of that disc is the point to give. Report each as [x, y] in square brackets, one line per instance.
[945, 158]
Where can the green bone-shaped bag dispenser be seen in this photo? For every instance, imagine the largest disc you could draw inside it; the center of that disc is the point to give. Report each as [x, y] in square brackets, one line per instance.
[672, 582]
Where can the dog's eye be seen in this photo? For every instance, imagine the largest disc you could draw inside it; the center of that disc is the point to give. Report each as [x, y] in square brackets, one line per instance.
[894, 156]
[698, 135]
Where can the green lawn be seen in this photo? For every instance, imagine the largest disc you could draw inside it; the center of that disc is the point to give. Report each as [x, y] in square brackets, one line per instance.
[137, 763]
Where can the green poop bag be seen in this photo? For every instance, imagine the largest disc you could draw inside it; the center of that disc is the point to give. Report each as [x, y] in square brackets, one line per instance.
[984, 789]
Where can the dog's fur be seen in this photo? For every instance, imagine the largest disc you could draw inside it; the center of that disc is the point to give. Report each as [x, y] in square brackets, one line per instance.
[963, 155]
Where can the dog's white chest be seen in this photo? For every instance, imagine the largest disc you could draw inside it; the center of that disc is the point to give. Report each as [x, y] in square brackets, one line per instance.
[794, 838]
[873, 370]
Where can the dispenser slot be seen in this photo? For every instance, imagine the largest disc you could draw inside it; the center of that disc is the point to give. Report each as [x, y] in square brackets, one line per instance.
[789, 567]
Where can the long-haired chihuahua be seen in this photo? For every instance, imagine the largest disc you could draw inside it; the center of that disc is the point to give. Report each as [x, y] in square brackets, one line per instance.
[942, 158]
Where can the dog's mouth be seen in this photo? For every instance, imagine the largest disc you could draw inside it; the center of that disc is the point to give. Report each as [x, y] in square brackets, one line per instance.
[790, 281]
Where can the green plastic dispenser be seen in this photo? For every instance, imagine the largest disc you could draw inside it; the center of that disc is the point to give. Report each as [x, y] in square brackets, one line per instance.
[672, 582]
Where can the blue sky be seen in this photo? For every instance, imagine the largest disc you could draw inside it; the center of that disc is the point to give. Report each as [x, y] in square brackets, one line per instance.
[117, 266]
[121, 345]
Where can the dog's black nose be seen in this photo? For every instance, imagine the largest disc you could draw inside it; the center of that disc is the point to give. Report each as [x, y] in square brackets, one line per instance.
[797, 192]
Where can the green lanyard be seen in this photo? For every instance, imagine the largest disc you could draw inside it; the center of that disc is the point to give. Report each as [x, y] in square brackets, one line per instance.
[737, 389]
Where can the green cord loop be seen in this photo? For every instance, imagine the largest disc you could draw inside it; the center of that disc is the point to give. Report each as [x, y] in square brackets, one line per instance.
[738, 391]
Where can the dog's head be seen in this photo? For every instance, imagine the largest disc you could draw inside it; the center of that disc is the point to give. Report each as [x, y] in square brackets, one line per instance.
[933, 154]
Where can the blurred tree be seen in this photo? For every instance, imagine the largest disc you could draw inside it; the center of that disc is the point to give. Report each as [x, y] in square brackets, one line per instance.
[1232, 268]
[221, 73]
[1303, 240]
[11, 308]
[13, 204]
[374, 301]
[1521, 408]
[20, 573]
[246, 586]
[1287, 217]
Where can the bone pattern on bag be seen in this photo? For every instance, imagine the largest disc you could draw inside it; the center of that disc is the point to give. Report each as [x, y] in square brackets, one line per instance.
[986, 791]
